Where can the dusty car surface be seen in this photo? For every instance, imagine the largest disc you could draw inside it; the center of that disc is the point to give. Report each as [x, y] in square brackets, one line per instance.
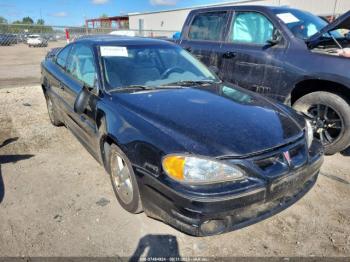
[286, 54]
[199, 154]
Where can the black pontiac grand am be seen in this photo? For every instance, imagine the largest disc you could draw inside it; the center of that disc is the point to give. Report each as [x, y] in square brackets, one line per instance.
[202, 155]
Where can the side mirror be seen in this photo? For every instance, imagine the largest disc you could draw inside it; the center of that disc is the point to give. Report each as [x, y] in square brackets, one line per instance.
[276, 38]
[82, 100]
[272, 42]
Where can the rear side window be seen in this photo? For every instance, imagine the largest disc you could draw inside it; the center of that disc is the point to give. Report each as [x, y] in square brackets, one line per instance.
[251, 27]
[208, 26]
[62, 56]
[81, 64]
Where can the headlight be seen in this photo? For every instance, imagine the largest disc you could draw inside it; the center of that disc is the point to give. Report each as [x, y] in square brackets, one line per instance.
[196, 170]
[309, 133]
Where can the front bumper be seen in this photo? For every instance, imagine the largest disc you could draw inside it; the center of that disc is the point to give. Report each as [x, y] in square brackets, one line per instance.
[37, 43]
[206, 214]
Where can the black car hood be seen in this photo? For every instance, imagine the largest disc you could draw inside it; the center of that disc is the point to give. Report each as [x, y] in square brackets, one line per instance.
[217, 120]
[342, 22]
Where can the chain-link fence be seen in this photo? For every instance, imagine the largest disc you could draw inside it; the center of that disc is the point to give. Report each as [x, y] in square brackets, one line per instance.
[42, 35]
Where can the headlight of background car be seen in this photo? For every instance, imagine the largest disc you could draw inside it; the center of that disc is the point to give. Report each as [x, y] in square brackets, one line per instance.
[189, 169]
[309, 133]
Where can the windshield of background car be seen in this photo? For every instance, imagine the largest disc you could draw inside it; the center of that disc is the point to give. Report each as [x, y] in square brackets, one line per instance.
[151, 66]
[303, 24]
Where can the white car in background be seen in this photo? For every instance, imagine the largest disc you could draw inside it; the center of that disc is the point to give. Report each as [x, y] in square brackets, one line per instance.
[123, 33]
[36, 40]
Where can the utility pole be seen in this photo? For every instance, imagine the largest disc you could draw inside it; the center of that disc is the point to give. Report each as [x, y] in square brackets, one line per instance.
[334, 9]
[41, 17]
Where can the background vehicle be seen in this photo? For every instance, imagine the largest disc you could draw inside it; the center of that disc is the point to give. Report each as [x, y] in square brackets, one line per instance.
[283, 53]
[123, 33]
[200, 154]
[36, 40]
[8, 39]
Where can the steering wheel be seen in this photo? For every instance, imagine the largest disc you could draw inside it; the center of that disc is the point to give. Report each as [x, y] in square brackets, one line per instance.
[170, 70]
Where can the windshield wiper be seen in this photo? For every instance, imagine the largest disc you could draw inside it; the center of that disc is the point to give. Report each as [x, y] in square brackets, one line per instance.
[131, 87]
[192, 82]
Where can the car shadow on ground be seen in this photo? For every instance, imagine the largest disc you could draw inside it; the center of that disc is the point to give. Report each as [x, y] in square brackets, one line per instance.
[4, 159]
[151, 247]
[346, 152]
[2, 188]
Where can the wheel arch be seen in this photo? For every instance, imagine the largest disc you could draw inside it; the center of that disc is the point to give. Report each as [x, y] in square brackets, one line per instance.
[44, 85]
[105, 139]
[313, 85]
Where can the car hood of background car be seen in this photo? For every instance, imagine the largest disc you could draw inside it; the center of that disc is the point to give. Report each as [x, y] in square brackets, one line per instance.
[217, 120]
[342, 22]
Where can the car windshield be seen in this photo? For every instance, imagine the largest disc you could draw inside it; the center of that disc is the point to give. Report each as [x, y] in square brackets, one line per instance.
[151, 66]
[303, 24]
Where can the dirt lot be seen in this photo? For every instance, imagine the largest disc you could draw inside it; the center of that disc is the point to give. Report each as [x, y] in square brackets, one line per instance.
[58, 201]
[20, 65]
[55, 200]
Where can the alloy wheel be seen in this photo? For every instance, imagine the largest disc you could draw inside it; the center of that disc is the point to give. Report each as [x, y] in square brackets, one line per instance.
[122, 179]
[326, 122]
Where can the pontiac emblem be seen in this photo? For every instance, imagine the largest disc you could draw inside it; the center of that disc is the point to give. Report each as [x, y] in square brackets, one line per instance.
[287, 157]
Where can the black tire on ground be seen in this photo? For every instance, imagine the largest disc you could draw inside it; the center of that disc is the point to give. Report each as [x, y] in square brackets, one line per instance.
[134, 205]
[53, 115]
[334, 107]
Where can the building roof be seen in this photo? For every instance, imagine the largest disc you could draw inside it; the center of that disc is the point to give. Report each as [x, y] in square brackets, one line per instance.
[110, 18]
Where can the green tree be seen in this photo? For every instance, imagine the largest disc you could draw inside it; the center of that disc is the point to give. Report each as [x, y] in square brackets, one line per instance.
[3, 20]
[27, 20]
[40, 22]
[105, 23]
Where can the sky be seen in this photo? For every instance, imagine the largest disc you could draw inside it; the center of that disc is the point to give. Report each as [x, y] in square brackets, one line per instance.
[73, 12]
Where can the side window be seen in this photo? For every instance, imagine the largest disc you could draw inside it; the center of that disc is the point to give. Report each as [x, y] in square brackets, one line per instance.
[208, 26]
[62, 56]
[81, 64]
[251, 27]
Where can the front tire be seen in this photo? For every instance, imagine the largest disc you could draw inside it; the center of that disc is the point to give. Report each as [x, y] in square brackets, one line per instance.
[330, 117]
[124, 181]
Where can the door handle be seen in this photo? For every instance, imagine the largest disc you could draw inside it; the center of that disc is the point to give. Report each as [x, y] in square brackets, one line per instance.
[61, 86]
[189, 49]
[229, 54]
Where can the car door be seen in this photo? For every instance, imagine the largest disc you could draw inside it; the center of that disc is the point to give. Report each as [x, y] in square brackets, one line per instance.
[81, 71]
[205, 36]
[57, 74]
[250, 59]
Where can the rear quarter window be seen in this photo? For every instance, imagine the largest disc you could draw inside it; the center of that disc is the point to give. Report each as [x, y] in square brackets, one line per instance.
[208, 26]
[62, 56]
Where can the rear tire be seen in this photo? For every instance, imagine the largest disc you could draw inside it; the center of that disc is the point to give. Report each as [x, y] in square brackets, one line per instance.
[54, 119]
[124, 181]
[330, 117]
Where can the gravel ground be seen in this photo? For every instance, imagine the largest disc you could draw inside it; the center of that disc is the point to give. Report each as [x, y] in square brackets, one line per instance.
[56, 200]
[19, 64]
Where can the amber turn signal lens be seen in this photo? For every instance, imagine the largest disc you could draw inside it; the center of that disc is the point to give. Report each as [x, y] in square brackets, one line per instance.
[174, 166]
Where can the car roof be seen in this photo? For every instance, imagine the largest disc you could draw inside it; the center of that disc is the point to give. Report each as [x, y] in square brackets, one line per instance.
[121, 40]
[261, 8]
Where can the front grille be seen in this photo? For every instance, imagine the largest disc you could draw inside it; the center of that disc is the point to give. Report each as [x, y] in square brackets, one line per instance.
[275, 163]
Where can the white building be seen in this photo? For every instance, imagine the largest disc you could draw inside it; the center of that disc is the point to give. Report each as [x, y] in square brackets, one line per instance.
[172, 20]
